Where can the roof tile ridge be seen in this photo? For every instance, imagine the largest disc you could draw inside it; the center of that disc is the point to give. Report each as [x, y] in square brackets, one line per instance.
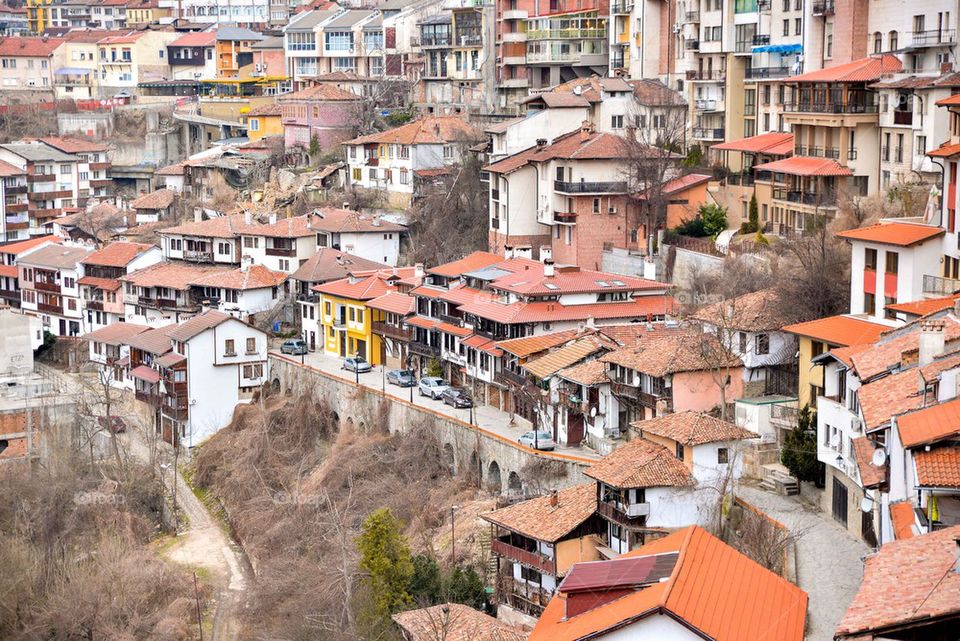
[678, 566]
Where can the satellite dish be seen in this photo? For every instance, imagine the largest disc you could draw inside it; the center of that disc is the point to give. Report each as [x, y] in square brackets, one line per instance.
[879, 457]
[593, 411]
[866, 504]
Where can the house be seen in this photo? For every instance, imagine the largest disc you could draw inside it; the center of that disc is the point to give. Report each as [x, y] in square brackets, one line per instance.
[126, 60]
[144, 12]
[110, 350]
[264, 121]
[910, 590]
[669, 475]
[171, 176]
[536, 542]
[366, 235]
[344, 319]
[14, 219]
[27, 64]
[320, 112]
[50, 287]
[387, 160]
[162, 294]
[155, 206]
[213, 241]
[9, 273]
[688, 585]
[93, 166]
[739, 157]
[281, 244]
[246, 292]
[94, 226]
[395, 308]
[191, 56]
[301, 48]
[53, 181]
[101, 291]
[233, 51]
[750, 326]
[454, 621]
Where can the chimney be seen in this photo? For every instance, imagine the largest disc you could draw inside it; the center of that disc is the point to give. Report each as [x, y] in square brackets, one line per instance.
[418, 270]
[436, 129]
[541, 143]
[346, 205]
[245, 262]
[554, 499]
[508, 251]
[248, 217]
[273, 219]
[946, 67]
[376, 221]
[548, 268]
[585, 130]
[197, 214]
[523, 251]
[932, 340]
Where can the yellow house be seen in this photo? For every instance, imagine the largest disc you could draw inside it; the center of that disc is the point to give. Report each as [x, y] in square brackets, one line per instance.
[823, 335]
[146, 12]
[346, 323]
[264, 121]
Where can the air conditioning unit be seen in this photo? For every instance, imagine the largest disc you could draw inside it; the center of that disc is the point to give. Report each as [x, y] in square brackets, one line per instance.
[856, 425]
[677, 27]
[611, 210]
[259, 67]
[638, 509]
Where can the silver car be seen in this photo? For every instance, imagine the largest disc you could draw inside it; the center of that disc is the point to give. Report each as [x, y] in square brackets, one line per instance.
[539, 440]
[432, 386]
[356, 364]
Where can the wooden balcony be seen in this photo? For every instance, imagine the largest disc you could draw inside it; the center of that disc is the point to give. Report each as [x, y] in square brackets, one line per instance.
[281, 251]
[524, 557]
[46, 213]
[96, 184]
[100, 166]
[392, 331]
[616, 515]
[96, 305]
[50, 309]
[44, 286]
[41, 178]
[198, 256]
[509, 377]
[148, 397]
[422, 349]
[17, 208]
[40, 196]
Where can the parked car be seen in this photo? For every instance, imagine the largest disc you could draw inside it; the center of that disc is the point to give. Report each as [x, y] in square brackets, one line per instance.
[457, 396]
[356, 364]
[295, 346]
[432, 386]
[401, 377]
[539, 440]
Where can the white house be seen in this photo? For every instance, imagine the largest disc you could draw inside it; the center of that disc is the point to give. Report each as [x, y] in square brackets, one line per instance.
[109, 348]
[282, 245]
[50, 287]
[101, 291]
[363, 235]
[252, 289]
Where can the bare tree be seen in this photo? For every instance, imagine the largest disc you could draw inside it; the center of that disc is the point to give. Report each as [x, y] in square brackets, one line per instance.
[385, 95]
[813, 278]
[96, 411]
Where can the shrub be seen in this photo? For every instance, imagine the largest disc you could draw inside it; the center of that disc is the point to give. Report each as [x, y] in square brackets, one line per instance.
[714, 219]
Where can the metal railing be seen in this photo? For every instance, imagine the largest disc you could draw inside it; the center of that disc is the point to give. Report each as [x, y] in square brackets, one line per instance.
[707, 133]
[709, 74]
[940, 285]
[692, 45]
[768, 72]
[823, 8]
[584, 187]
[933, 37]
[819, 152]
[816, 199]
[557, 34]
[831, 107]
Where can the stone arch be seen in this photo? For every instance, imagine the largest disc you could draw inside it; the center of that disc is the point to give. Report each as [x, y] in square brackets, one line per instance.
[363, 427]
[494, 481]
[449, 459]
[514, 483]
[349, 424]
[275, 386]
[475, 468]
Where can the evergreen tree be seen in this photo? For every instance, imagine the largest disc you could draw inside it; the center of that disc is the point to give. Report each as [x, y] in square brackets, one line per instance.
[799, 453]
[385, 557]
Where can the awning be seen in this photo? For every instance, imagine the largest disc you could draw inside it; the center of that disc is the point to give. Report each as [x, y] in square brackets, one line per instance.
[805, 166]
[72, 71]
[778, 49]
[146, 373]
[945, 151]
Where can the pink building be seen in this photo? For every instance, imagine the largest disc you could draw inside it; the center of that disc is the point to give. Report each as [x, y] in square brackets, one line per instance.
[323, 111]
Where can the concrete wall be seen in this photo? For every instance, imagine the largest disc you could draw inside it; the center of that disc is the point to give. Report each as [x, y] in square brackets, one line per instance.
[468, 450]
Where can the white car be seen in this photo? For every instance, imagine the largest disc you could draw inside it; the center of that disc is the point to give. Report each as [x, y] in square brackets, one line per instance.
[539, 440]
[432, 386]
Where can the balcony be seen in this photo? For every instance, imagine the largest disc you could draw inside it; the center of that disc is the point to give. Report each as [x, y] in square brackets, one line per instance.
[692, 45]
[693, 16]
[831, 107]
[435, 41]
[96, 184]
[743, 46]
[197, 255]
[625, 391]
[50, 309]
[46, 213]
[709, 105]
[818, 152]
[565, 217]
[422, 349]
[635, 516]
[903, 118]
[96, 305]
[44, 286]
[933, 38]
[553, 55]
[515, 83]
[939, 285]
[709, 75]
[515, 14]
[41, 178]
[100, 166]
[620, 7]
[15, 189]
[823, 8]
[40, 196]
[510, 377]
[759, 40]
[583, 187]
[514, 36]
[567, 34]
[289, 252]
[707, 133]
[572, 401]
[811, 198]
[495, 194]
[148, 398]
[392, 331]
[15, 208]
[524, 557]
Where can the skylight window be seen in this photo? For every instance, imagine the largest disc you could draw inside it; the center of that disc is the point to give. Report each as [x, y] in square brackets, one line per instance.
[603, 283]
[619, 283]
[551, 286]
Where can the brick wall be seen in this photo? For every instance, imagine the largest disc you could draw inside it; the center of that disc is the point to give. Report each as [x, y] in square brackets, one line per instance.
[592, 230]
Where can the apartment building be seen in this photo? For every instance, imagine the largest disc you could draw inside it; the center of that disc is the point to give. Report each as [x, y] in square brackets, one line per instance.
[233, 51]
[390, 160]
[93, 166]
[50, 287]
[249, 14]
[452, 77]
[191, 56]
[124, 61]
[53, 181]
[163, 293]
[109, 349]
[14, 220]
[78, 78]
[144, 12]
[322, 111]
[302, 45]
[100, 288]
[27, 64]
[9, 272]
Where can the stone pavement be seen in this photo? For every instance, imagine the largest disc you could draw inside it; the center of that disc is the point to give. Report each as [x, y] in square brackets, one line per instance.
[829, 559]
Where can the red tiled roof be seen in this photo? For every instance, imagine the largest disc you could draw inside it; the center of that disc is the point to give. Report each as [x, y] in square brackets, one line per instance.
[72, 145]
[893, 233]
[940, 467]
[347, 220]
[196, 39]
[321, 92]
[455, 622]
[575, 145]
[906, 581]
[430, 130]
[128, 38]
[29, 47]
[251, 277]
[805, 166]
[533, 282]
[159, 199]
[903, 518]
[530, 345]
[945, 150]
[173, 275]
[115, 333]
[949, 101]
[10, 271]
[712, 588]
[889, 397]
[199, 323]
[424, 323]
[641, 463]
[7, 170]
[393, 302]
[930, 424]
[108, 284]
[679, 185]
[839, 330]
[330, 264]
[455, 330]
[692, 428]
[117, 254]
[863, 70]
[640, 308]
[365, 287]
[870, 474]
[146, 373]
[271, 109]
[924, 306]
[681, 351]
[773, 143]
[21, 246]
[549, 518]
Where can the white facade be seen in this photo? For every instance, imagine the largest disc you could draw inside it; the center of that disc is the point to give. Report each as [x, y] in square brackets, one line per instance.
[245, 12]
[263, 250]
[380, 246]
[903, 284]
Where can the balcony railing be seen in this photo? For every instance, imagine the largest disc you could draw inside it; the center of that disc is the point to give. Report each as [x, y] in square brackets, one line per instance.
[613, 513]
[584, 187]
[621, 6]
[709, 105]
[563, 34]
[281, 251]
[51, 309]
[707, 133]
[743, 180]
[435, 41]
[823, 8]
[940, 285]
[831, 107]
[903, 117]
[422, 349]
[148, 398]
[708, 74]
[933, 37]
[197, 255]
[524, 557]
[509, 377]
[565, 217]
[44, 286]
[818, 152]
[692, 45]
[761, 39]
[693, 16]
[816, 199]
[392, 331]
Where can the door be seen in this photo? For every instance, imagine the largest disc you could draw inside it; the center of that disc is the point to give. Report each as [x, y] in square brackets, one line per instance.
[574, 428]
[866, 529]
[839, 501]
[343, 344]
[313, 341]
[63, 327]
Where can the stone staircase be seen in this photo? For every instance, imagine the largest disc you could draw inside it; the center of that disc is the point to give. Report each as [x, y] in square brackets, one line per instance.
[776, 478]
[490, 567]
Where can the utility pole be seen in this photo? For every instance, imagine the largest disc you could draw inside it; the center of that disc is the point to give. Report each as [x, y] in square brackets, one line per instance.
[196, 594]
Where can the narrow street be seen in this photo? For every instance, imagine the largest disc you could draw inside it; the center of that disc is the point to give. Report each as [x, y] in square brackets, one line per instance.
[829, 559]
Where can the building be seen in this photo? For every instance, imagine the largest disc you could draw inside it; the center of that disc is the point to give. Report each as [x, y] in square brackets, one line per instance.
[246, 293]
[191, 56]
[145, 12]
[688, 585]
[53, 181]
[536, 542]
[99, 286]
[322, 112]
[162, 294]
[110, 350]
[27, 64]
[388, 160]
[50, 287]
[154, 207]
[93, 166]
[264, 121]
[365, 235]
[454, 621]
[244, 14]
[9, 273]
[14, 221]
[909, 590]
[124, 61]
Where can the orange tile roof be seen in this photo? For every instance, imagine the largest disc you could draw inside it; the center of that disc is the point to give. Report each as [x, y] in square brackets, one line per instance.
[889, 397]
[640, 308]
[393, 302]
[252, 277]
[196, 39]
[903, 518]
[870, 474]
[159, 199]
[930, 424]
[330, 264]
[893, 233]
[321, 92]
[868, 69]
[455, 330]
[679, 185]
[924, 306]
[692, 428]
[565, 356]
[115, 333]
[29, 47]
[949, 101]
[108, 284]
[682, 351]
[530, 345]
[10, 271]
[572, 280]
[173, 275]
[549, 518]
[348, 220]
[73, 145]
[940, 467]
[761, 311]
[839, 330]
[117, 254]
[773, 143]
[191, 327]
[945, 150]
[470, 262]
[805, 166]
[430, 130]
[714, 589]
[20, 246]
[364, 287]
[455, 622]
[587, 373]
[641, 463]
[7, 170]
[906, 581]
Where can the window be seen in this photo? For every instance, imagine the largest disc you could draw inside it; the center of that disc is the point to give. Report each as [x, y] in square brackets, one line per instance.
[786, 27]
[763, 344]
[877, 42]
[679, 450]
[889, 313]
[251, 345]
[254, 370]
[229, 349]
[894, 40]
[357, 175]
[869, 303]
[404, 177]
[596, 205]
[920, 149]
[254, 124]
[528, 574]
[616, 122]
[893, 262]
[448, 152]
[742, 339]
[723, 456]
[352, 314]
[251, 241]
[816, 349]
[870, 259]
[327, 309]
